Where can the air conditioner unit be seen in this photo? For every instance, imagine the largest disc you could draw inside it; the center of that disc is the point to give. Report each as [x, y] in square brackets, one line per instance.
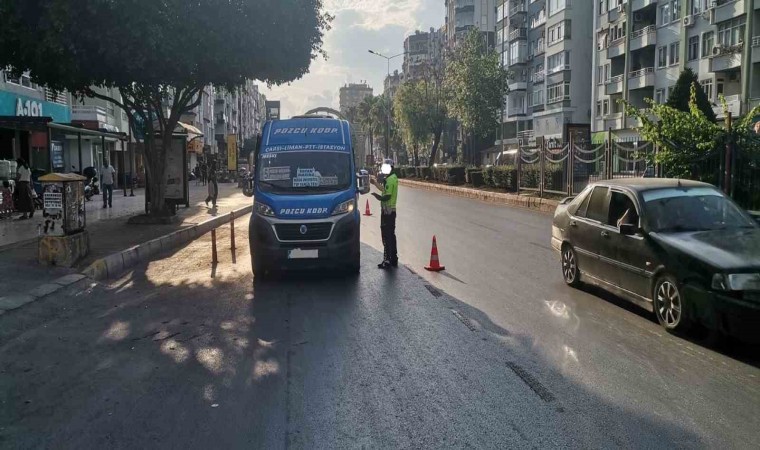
[688, 21]
[717, 50]
[530, 57]
[713, 4]
[621, 9]
[638, 17]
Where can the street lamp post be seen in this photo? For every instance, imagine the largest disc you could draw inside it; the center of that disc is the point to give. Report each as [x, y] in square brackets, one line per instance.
[388, 106]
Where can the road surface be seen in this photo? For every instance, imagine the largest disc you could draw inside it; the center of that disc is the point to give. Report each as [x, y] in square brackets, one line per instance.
[493, 353]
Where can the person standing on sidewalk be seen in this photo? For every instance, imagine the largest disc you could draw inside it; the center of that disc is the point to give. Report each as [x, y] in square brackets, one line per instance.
[106, 179]
[213, 187]
[24, 187]
[388, 216]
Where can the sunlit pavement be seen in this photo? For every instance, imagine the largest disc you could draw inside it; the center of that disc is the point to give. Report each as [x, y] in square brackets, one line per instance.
[493, 353]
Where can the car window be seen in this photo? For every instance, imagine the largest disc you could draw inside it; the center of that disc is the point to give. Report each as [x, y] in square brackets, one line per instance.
[622, 210]
[597, 206]
[580, 204]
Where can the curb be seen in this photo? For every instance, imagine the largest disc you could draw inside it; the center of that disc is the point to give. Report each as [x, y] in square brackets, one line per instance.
[113, 265]
[522, 201]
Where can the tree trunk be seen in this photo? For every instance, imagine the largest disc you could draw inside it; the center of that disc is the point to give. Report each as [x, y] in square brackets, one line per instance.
[155, 159]
[436, 144]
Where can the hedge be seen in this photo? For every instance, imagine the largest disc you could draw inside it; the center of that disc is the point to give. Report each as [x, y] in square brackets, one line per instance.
[500, 177]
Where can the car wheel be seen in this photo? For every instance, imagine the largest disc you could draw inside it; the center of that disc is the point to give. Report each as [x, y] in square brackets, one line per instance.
[668, 303]
[570, 271]
[259, 269]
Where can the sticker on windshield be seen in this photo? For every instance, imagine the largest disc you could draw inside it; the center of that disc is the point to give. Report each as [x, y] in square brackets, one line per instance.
[307, 178]
[276, 173]
[328, 181]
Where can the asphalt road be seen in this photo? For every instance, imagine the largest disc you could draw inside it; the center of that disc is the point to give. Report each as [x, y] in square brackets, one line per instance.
[493, 353]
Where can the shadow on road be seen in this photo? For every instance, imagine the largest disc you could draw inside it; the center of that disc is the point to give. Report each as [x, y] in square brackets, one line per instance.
[167, 357]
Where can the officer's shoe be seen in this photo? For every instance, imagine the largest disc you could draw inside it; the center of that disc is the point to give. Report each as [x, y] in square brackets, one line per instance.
[385, 265]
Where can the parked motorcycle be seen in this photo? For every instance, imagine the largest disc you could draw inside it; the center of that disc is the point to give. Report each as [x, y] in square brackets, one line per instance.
[92, 188]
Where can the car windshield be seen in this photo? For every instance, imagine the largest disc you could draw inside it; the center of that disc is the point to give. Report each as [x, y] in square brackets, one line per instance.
[310, 172]
[693, 209]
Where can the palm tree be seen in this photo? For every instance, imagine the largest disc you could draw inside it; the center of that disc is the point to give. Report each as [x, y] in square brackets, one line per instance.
[367, 115]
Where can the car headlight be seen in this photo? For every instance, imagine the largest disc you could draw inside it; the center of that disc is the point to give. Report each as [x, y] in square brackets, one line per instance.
[344, 208]
[736, 282]
[263, 209]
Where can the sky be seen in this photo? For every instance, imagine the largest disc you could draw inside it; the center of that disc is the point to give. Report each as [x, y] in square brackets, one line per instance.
[359, 25]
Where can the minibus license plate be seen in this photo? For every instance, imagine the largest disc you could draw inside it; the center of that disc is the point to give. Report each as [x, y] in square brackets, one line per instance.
[298, 253]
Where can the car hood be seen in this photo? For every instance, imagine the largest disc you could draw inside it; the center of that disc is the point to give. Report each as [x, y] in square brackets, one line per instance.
[722, 249]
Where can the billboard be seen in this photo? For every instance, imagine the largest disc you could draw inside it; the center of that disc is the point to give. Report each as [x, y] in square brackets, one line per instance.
[232, 152]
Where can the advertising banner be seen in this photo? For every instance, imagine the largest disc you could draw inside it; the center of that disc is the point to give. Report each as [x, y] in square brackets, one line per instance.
[232, 152]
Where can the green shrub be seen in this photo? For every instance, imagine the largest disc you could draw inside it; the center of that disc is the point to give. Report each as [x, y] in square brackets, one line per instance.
[425, 173]
[457, 173]
[410, 172]
[488, 177]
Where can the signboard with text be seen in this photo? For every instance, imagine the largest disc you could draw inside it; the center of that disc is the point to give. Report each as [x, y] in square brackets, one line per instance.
[232, 152]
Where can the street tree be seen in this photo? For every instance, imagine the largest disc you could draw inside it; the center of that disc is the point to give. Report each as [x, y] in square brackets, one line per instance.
[159, 54]
[680, 95]
[685, 139]
[367, 117]
[412, 117]
[477, 84]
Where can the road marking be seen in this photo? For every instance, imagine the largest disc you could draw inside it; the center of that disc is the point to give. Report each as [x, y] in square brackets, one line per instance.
[532, 383]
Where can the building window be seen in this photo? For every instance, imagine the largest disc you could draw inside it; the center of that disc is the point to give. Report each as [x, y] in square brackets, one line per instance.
[731, 32]
[675, 53]
[662, 56]
[693, 48]
[605, 107]
[558, 62]
[558, 92]
[599, 109]
[697, 6]
[602, 7]
[708, 41]
[665, 14]
[659, 96]
[24, 80]
[707, 86]
[675, 8]
[600, 74]
[537, 98]
[559, 32]
[556, 6]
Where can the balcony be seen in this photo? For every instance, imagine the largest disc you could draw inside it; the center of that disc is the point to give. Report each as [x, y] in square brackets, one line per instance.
[89, 113]
[637, 5]
[733, 104]
[538, 77]
[642, 78]
[728, 9]
[614, 85]
[756, 49]
[520, 58]
[616, 48]
[643, 38]
[517, 85]
[517, 8]
[726, 57]
[538, 20]
[614, 121]
[518, 33]
[464, 9]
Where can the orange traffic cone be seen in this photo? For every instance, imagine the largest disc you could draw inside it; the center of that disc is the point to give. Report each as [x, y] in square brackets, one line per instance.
[367, 212]
[435, 265]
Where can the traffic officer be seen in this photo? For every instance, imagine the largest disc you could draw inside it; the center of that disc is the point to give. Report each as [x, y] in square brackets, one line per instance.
[388, 216]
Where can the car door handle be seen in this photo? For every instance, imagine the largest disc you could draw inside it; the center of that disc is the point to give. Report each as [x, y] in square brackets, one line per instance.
[573, 223]
[605, 234]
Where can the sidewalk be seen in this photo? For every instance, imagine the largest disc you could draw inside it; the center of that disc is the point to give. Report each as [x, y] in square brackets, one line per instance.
[109, 233]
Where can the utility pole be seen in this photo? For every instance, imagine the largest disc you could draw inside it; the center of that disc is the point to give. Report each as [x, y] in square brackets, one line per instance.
[388, 106]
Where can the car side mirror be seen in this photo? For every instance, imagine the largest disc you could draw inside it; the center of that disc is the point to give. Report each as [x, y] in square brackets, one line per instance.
[363, 183]
[627, 229]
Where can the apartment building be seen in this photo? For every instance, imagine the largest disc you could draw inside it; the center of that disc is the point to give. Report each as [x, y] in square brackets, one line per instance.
[352, 94]
[545, 45]
[423, 54]
[643, 45]
[465, 15]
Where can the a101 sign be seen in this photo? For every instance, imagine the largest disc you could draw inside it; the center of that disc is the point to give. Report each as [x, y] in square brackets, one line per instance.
[28, 108]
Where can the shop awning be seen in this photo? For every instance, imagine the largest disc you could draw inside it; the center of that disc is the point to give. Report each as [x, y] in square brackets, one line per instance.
[192, 132]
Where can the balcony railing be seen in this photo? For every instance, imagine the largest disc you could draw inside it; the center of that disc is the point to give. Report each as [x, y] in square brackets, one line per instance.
[643, 31]
[538, 77]
[519, 33]
[615, 79]
[56, 97]
[538, 20]
[87, 112]
[756, 41]
[517, 7]
[641, 72]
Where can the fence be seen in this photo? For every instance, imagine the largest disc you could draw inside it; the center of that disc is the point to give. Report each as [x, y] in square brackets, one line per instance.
[566, 168]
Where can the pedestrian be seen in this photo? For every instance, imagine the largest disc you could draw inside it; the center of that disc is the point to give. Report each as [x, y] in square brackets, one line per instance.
[203, 174]
[388, 216]
[213, 187]
[6, 200]
[24, 189]
[106, 179]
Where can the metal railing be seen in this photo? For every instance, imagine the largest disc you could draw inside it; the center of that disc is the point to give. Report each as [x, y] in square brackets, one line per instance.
[646, 30]
[519, 33]
[756, 41]
[641, 72]
[615, 79]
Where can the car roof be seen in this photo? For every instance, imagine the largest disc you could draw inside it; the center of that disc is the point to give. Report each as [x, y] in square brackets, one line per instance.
[648, 184]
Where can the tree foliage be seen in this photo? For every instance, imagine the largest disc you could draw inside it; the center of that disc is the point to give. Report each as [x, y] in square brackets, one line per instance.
[412, 116]
[477, 84]
[680, 95]
[684, 139]
[159, 53]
